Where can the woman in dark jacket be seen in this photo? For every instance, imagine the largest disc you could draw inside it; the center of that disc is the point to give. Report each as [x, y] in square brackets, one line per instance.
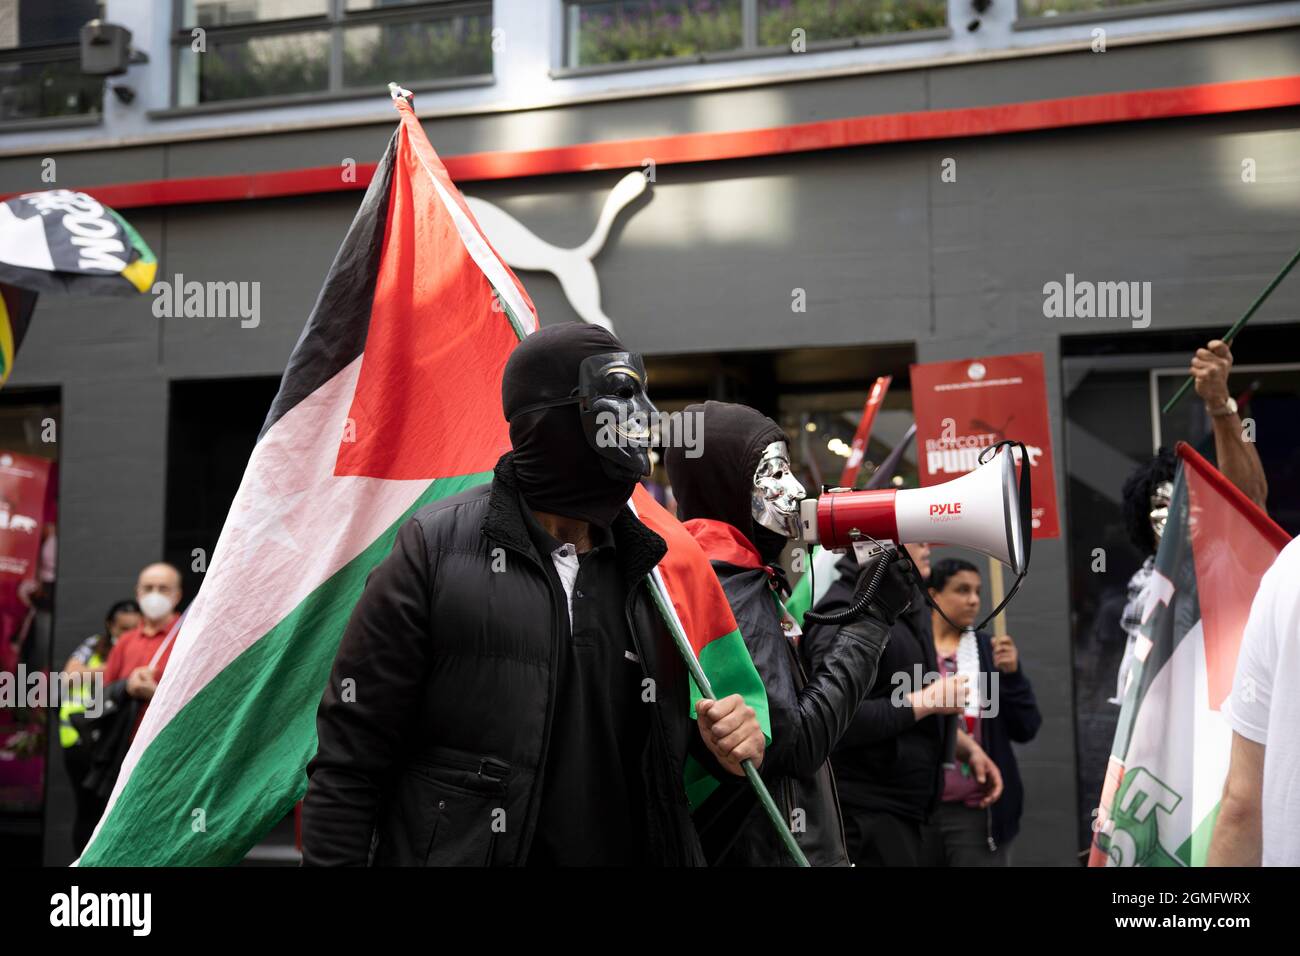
[890, 761]
[966, 830]
[740, 502]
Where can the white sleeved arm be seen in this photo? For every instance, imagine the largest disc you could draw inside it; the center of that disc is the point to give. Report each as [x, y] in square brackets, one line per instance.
[1247, 707]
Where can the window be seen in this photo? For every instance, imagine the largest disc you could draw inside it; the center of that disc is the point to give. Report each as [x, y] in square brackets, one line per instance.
[40, 60]
[627, 31]
[1045, 9]
[229, 50]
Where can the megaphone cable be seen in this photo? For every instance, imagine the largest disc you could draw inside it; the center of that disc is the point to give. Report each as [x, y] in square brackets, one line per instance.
[863, 601]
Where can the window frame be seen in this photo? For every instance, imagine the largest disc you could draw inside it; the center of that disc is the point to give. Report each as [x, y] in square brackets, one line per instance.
[51, 52]
[748, 50]
[335, 21]
[1152, 8]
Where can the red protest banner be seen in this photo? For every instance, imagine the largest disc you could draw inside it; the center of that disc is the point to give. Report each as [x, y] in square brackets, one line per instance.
[962, 407]
[859, 448]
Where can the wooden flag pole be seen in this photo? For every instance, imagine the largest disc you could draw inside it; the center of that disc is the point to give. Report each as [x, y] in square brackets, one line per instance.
[998, 591]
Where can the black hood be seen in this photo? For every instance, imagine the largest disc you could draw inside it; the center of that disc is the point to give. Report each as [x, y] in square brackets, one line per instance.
[556, 468]
[718, 484]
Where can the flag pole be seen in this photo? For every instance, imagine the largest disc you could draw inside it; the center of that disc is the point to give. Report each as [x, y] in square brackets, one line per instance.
[669, 613]
[1238, 326]
[998, 591]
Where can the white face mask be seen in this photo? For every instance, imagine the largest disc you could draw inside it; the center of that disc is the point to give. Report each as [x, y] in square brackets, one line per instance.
[155, 606]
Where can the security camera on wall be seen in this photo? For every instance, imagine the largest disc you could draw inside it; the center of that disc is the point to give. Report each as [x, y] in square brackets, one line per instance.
[106, 49]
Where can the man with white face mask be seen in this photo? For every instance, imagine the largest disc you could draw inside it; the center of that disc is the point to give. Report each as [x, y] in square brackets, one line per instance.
[140, 655]
[740, 501]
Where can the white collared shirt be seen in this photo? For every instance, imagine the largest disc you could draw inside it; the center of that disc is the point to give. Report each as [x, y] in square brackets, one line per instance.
[565, 558]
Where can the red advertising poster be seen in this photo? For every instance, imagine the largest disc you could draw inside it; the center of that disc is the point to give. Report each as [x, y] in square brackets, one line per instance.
[23, 483]
[962, 407]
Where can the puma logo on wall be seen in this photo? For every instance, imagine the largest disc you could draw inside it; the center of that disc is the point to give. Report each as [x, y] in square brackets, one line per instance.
[523, 249]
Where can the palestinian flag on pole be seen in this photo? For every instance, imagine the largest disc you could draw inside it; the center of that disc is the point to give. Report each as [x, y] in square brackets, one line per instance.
[1170, 757]
[391, 400]
[691, 598]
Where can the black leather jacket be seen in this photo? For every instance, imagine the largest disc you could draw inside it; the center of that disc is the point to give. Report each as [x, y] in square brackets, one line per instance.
[434, 753]
[886, 760]
[808, 715]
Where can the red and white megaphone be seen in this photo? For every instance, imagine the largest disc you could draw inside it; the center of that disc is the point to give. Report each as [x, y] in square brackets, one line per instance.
[981, 510]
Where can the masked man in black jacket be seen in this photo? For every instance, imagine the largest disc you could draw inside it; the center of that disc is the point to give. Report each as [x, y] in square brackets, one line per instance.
[740, 500]
[506, 692]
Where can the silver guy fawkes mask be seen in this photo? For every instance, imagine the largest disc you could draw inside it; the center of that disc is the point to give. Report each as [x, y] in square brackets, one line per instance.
[1160, 507]
[774, 502]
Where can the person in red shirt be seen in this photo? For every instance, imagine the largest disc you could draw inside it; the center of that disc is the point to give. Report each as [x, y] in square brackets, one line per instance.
[158, 592]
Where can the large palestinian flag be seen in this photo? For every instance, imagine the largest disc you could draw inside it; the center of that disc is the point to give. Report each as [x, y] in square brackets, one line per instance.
[391, 400]
[1170, 757]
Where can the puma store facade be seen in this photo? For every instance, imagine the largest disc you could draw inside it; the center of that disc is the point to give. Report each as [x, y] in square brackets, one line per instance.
[778, 235]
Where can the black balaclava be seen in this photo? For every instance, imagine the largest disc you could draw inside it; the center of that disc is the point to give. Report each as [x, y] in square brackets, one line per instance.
[719, 483]
[557, 468]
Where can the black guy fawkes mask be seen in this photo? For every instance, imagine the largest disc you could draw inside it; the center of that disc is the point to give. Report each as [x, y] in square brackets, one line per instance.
[618, 418]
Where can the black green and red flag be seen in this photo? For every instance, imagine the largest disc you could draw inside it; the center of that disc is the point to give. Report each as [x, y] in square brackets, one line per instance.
[1166, 771]
[391, 400]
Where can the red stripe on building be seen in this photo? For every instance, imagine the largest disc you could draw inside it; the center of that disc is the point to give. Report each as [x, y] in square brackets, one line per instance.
[1132, 106]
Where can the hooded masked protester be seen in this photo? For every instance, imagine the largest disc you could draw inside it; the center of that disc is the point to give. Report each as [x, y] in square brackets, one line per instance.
[501, 655]
[579, 421]
[740, 500]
